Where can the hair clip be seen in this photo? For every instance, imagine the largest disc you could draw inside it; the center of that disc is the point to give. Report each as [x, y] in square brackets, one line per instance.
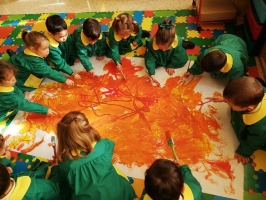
[117, 18]
[134, 22]
[168, 25]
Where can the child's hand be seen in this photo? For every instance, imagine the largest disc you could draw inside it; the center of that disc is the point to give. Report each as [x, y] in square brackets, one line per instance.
[134, 43]
[216, 99]
[77, 60]
[69, 82]
[91, 72]
[51, 112]
[54, 161]
[76, 76]
[118, 65]
[242, 159]
[170, 71]
[187, 74]
[99, 58]
[7, 154]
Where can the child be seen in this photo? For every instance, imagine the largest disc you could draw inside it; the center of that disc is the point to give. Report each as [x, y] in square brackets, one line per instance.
[62, 52]
[167, 180]
[31, 185]
[246, 96]
[165, 49]
[5, 155]
[124, 36]
[227, 58]
[89, 41]
[32, 64]
[12, 99]
[85, 161]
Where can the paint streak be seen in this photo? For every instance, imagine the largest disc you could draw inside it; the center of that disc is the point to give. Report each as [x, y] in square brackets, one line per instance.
[33, 146]
[136, 115]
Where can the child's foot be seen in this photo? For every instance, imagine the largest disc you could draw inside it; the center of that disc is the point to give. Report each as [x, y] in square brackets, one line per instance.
[188, 45]
[145, 34]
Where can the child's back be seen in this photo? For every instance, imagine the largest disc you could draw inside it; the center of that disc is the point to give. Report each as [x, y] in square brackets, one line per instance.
[90, 174]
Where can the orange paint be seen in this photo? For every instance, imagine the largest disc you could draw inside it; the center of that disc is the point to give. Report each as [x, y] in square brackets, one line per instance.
[136, 115]
[33, 146]
[20, 146]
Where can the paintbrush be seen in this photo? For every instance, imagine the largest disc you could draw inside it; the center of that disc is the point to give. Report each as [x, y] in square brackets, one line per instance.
[122, 73]
[170, 142]
[188, 66]
[54, 146]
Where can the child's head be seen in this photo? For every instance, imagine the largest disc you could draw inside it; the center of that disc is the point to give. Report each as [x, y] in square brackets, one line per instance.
[92, 30]
[57, 28]
[124, 25]
[36, 42]
[165, 35]
[243, 94]
[2, 145]
[213, 61]
[7, 74]
[4, 180]
[75, 134]
[164, 180]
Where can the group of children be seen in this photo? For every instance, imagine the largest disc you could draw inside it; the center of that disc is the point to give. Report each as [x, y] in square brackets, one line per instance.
[84, 169]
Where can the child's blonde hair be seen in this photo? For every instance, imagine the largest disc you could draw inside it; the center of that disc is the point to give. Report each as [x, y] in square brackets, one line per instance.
[125, 21]
[166, 32]
[32, 38]
[4, 67]
[75, 135]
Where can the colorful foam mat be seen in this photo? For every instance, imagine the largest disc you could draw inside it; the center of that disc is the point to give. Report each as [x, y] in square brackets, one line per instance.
[10, 38]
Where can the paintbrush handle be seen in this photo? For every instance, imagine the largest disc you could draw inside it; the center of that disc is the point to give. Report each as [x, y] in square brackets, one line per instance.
[54, 152]
[173, 151]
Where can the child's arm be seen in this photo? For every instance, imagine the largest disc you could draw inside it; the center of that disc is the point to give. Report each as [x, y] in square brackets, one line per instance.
[138, 36]
[114, 47]
[102, 45]
[58, 61]
[150, 60]
[195, 68]
[83, 56]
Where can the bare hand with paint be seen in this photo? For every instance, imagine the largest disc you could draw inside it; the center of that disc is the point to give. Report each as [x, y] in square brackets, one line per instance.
[170, 71]
[216, 99]
[244, 160]
[99, 58]
[134, 44]
[69, 82]
[91, 72]
[187, 74]
[51, 112]
[118, 65]
[76, 76]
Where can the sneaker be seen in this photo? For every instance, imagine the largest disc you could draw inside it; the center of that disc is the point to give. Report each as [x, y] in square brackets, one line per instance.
[10, 52]
[145, 34]
[188, 45]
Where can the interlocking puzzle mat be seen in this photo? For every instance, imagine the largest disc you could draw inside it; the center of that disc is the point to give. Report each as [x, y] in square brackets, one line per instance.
[11, 25]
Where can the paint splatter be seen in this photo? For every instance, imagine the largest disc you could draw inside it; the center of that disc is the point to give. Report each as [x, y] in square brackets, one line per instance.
[136, 116]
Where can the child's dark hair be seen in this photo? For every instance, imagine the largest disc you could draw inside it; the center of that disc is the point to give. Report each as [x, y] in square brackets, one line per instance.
[32, 38]
[4, 179]
[92, 29]
[75, 134]
[55, 24]
[164, 180]
[213, 61]
[125, 21]
[244, 91]
[4, 67]
[166, 32]
[2, 141]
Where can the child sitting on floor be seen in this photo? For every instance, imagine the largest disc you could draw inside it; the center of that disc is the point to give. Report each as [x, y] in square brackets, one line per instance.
[12, 99]
[167, 180]
[85, 161]
[31, 185]
[62, 52]
[165, 49]
[226, 58]
[247, 98]
[89, 41]
[124, 36]
[31, 62]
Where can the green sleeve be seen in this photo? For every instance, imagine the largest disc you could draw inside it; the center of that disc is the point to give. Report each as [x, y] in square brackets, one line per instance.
[5, 161]
[18, 103]
[150, 59]
[195, 68]
[179, 56]
[138, 36]
[58, 61]
[102, 46]
[83, 56]
[71, 50]
[256, 137]
[114, 47]
[42, 69]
